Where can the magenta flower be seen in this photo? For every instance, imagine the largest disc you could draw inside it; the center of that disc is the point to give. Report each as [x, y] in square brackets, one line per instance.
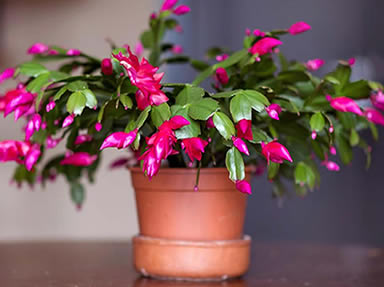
[209, 123]
[179, 29]
[181, 10]
[50, 106]
[21, 152]
[314, 135]
[53, 52]
[106, 66]
[177, 49]
[221, 57]
[68, 121]
[79, 159]
[143, 75]
[98, 126]
[314, 65]
[160, 145]
[374, 116]
[139, 49]
[299, 28]
[80, 139]
[351, 61]
[244, 129]
[7, 74]
[33, 126]
[194, 147]
[331, 129]
[332, 150]
[9, 151]
[32, 157]
[73, 52]
[243, 186]
[264, 46]
[168, 5]
[240, 145]
[275, 152]
[344, 104]
[38, 48]
[119, 140]
[273, 111]
[258, 33]
[51, 142]
[222, 76]
[18, 101]
[377, 100]
[330, 165]
[247, 32]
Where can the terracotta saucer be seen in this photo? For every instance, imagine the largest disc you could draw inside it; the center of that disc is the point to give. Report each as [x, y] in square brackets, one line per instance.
[191, 260]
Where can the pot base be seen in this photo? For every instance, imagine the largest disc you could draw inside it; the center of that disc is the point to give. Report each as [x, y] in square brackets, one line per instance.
[191, 260]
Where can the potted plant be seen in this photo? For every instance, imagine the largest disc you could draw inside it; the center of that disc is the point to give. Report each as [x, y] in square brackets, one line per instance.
[190, 148]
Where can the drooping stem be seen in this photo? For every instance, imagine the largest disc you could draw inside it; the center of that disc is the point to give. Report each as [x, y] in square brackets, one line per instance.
[196, 188]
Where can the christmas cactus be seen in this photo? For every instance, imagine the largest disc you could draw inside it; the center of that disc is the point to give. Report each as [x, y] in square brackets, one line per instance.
[261, 111]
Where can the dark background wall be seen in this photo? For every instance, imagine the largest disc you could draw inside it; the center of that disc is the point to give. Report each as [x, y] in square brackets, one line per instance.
[348, 207]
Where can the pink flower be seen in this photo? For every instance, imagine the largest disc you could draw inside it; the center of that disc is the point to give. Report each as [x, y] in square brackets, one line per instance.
[73, 52]
[139, 49]
[143, 75]
[168, 5]
[244, 129]
[68, 121]
[314, 135]
[181, 10]
[351, 61]
[344, 104]
[7, 74]
[194, 147]
[240, 145]
[32, 157]
[18, 101]
[330, 165]
[53, 52]
[179, 29]
[119, 140]
[50, 106]
[332, 150]
[258, 33]
[33, 126]
[222, 76]
[106, 66]
[153, 16]
[38, 48]
[264, 46]
[243, 186]
[221, 57]
[374, 116]
[51, 142]
[98, 126]
[377, 100]
[273, 111]
[160, 145]
[298, 28]
[79, 159]
[177, 49]
[209, 123]
[314, 65]
[275, 152]
[21, 152]
[247, 32]
[80, 139]
[10, 151]
[331, 129]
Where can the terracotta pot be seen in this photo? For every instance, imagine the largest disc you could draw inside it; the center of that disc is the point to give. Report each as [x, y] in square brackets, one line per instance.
[190, 234]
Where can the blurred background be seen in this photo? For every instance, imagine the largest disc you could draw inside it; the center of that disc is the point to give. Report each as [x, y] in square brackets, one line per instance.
[348, 207]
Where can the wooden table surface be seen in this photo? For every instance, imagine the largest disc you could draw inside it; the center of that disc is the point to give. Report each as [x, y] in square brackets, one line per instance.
[86, 264]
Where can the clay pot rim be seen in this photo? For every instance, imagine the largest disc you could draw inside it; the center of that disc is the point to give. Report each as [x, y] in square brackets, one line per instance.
[187, 170]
